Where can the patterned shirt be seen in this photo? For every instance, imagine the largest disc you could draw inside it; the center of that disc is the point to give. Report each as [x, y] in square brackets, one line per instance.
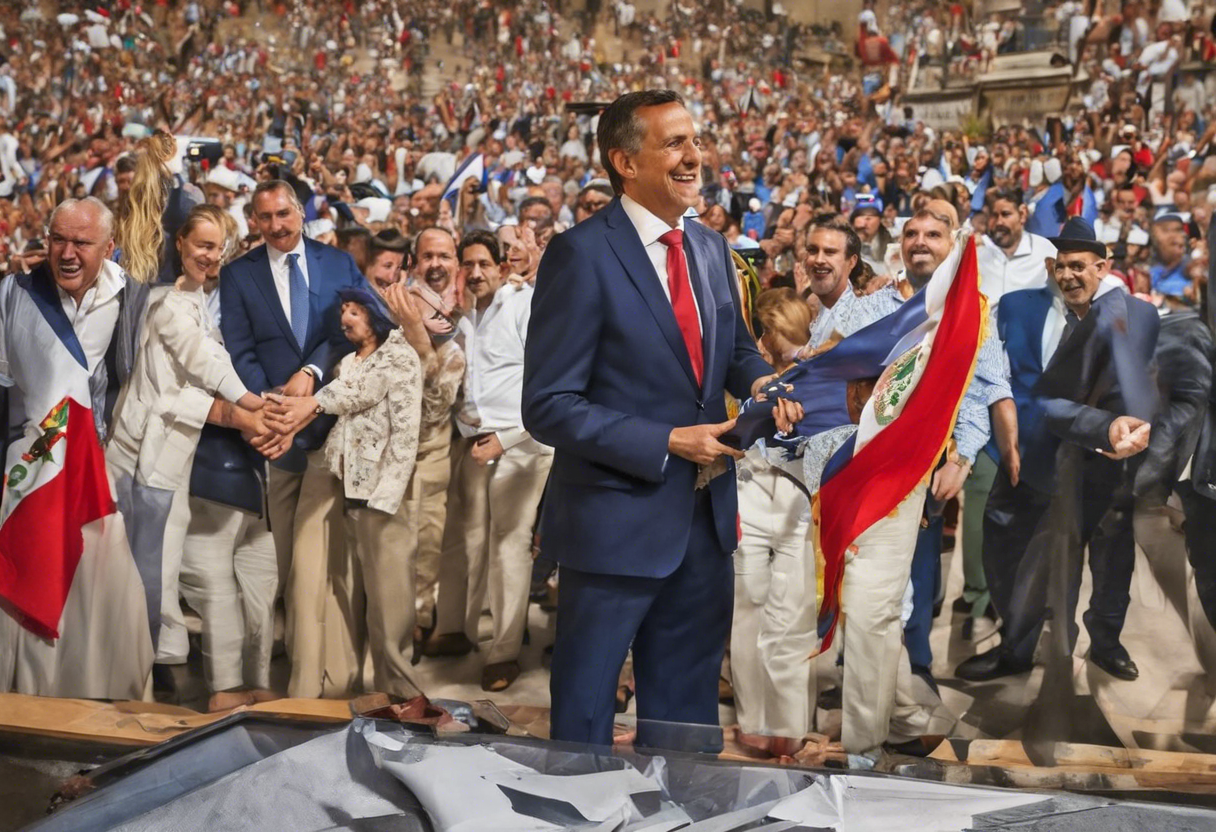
[441, 380]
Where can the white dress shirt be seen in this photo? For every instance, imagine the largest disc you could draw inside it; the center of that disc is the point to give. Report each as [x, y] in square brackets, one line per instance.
[650, 228]
[96, 316]
[494, 366]
[1026, 269]
[280, 270]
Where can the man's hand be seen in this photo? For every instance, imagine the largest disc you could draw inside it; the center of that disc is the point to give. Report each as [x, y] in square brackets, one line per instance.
[699, 443]
[948, 480]
[487, 449]
[285, 414]
[1011, 458]
[1128, 436]
[760, 383]
[786, 414]
[300, 385]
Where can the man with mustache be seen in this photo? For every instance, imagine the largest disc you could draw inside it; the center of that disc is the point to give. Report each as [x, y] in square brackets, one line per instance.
[1010, 258]
[1072, 345]
[280, 322]
[499, 472]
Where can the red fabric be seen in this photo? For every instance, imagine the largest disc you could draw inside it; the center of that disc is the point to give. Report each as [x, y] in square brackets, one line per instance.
[682, 301]
[41, 541]
[890, 466]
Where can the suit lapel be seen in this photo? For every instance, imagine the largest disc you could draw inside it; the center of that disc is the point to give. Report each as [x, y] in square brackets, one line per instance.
[696, 251]
[627, 245]
[263, 278]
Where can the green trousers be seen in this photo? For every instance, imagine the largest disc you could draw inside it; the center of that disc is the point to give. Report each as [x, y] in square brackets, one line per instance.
[975, 498]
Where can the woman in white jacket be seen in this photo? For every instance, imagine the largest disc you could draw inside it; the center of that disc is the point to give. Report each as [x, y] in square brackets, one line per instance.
[183, 378]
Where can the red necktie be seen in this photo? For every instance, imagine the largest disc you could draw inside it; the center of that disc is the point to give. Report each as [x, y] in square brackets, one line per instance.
[681, 299]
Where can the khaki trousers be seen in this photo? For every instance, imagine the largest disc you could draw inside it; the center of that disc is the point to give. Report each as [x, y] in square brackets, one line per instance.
[229, 575]
[316, 625]
[881, 697]
[376, 591]
[487, 543]
[774, 629]
[429, 495]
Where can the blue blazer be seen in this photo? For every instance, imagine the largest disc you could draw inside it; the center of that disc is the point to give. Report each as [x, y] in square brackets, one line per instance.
[606, 378]
[1102, 371]
[258, 334]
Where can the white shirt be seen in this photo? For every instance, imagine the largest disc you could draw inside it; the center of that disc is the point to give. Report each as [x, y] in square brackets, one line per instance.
[493, 344]
[650, 228]
[280, 270]
[1026, 269]
[96, 316]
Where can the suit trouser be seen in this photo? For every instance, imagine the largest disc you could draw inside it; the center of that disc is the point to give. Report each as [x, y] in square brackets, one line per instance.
[975, 498]
[317, 635]
[677, 626]
[487, 544]
[877, 691]
[282, 498]
[229, 575]
[174, 644]
[773, 632]
[377, 593]
[429, 491]
[1020, 544]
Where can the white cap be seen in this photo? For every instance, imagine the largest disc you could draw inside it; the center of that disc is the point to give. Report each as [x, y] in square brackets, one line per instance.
[1137, 237]
[1036, 173]
[1052, 171]
[316, 228]
[225, 178]
[378, 208]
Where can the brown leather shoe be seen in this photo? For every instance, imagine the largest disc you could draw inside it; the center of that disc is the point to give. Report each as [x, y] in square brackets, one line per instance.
[448, 644]
[498, 677]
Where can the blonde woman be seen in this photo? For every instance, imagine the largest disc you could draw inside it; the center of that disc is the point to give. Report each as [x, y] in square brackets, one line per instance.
[772, 634]
[152, 213]
[183, 378]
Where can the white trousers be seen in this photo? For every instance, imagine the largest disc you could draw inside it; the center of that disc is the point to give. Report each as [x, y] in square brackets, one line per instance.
[229, 575]
[774, 629]
[173, 646]
[882, 699]
[487, 544]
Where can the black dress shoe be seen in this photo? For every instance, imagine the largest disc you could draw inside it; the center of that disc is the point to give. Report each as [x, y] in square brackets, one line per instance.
[448, 644]
[164, 685]
[961, 606]
[993, 664]
[1117, 664]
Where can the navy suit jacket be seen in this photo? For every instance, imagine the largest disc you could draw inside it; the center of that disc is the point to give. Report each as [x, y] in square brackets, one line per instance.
[606, 378]
[1102, 371]
[258, 334]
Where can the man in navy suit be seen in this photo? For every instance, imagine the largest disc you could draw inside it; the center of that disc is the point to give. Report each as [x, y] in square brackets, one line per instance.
[1080, 352]
[636, 334]
[279, 314]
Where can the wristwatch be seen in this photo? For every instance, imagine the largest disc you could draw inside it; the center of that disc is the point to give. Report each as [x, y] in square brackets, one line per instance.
[309, 371]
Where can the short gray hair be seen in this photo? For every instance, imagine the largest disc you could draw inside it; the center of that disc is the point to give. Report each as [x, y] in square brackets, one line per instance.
[272, 185]
[103, 213]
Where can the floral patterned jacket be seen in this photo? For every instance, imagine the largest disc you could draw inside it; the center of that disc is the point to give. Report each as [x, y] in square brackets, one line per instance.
[378, 401]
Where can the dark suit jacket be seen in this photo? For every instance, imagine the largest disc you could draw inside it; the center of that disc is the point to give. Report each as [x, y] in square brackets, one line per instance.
[606, 378]
[258, 334]
[1103, 370]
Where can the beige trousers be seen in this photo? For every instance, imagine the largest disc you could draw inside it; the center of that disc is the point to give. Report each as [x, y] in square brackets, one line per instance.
[487, 543]
[429, 495]
[316, 625]
[882, 699]
[774, 632]
[173, 646]
[229, 576]
[376, 592]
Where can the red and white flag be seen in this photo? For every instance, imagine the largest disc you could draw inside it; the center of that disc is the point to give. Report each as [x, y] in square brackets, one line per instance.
[43, 510]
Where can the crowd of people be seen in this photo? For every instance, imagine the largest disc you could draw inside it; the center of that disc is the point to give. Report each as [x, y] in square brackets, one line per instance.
[298, 293]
